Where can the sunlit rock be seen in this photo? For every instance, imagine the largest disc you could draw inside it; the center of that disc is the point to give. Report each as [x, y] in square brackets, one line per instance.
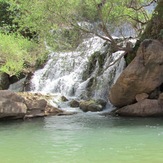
[143, 75]
[143, 108]
[12, 106]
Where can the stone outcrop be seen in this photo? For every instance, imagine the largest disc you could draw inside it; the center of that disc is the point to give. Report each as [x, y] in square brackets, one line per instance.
[143, 75]
[24, 105]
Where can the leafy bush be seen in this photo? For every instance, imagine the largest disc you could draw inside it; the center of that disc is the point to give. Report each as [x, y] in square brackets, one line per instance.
[14, 52]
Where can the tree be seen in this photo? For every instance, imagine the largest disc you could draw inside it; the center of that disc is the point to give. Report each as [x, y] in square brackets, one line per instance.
[51, 15]
[63, 20]
[154, 29]
[17, 51]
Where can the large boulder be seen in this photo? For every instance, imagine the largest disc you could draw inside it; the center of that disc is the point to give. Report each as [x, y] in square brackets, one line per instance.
[6, 94]
[12, 106]
[144, 108]
[143, 75]
[12, 110]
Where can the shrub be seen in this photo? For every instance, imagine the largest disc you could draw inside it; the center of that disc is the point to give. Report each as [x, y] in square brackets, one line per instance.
[14, 52]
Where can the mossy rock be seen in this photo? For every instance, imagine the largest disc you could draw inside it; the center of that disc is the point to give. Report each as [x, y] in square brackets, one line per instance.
[74, 103]
[97, 57]
[92, 105]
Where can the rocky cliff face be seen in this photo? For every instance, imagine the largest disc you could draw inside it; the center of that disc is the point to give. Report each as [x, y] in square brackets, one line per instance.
[143, 75]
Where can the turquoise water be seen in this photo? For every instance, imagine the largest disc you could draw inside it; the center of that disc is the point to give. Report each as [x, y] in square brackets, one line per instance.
[82, 138]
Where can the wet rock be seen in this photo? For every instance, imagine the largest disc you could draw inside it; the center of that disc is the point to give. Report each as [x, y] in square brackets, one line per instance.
[143, 75]
[101, 102]
[64, 99]
[74, 103]
[91, 105]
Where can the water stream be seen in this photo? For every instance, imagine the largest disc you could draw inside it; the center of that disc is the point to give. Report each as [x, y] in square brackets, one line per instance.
[82, 73]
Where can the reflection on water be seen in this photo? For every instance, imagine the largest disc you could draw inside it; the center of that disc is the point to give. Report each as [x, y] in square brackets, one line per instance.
[82, 138]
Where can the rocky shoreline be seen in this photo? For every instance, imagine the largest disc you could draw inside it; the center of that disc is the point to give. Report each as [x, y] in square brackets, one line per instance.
[25, 105]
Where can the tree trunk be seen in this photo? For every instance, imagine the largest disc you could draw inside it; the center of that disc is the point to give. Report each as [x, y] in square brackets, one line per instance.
[154, 29]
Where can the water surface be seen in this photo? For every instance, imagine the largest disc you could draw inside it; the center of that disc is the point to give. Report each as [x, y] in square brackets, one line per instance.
[82, 138]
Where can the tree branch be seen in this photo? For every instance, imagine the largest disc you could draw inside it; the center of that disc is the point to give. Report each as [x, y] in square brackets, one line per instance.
[135, 19]
[142, 6]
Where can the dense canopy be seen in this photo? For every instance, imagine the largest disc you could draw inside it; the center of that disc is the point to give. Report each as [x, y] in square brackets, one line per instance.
[62, 24]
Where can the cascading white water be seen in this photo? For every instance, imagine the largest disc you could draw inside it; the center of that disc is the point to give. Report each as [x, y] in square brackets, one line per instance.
[64, 72]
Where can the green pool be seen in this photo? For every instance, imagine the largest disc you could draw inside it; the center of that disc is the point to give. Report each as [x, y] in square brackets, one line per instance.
[82, 138]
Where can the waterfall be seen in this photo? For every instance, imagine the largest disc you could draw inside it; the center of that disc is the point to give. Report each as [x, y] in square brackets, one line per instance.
[83, 73]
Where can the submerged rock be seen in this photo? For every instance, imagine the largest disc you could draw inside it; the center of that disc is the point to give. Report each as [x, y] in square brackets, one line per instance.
[143, 75]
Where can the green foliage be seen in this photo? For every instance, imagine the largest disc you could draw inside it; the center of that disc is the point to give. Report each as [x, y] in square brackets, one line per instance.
[47, 15]
[6, 20]
[57, 22]
[65, 39]
[14, 52]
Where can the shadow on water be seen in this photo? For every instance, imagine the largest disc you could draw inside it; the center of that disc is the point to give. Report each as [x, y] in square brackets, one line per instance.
[135, 121]
[22, 124]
